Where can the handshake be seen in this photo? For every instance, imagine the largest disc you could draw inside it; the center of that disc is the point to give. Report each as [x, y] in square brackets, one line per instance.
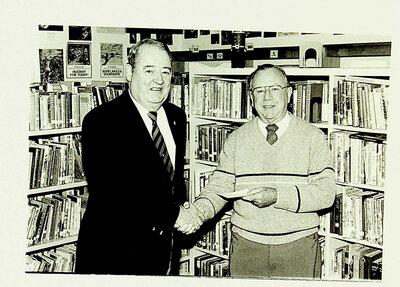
[189, 219]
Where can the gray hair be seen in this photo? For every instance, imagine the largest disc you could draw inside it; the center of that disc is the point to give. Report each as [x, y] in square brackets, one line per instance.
[135, 50]
[262, 68]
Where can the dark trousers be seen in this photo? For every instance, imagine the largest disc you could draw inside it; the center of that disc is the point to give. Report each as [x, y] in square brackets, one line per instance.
[298, 259]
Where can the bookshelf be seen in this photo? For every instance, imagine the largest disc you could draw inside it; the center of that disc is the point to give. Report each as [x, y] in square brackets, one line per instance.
[58, 193]
[331, 121]
[55, 207]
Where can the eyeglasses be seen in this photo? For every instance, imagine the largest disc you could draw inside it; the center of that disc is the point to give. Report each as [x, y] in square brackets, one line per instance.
[275, 90]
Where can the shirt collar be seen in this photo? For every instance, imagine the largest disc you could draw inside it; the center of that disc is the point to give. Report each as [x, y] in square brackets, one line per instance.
[142, 110]
[282, 125]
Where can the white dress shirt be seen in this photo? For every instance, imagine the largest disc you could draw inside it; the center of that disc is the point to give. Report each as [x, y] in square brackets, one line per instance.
[282, 126]
[163, 125]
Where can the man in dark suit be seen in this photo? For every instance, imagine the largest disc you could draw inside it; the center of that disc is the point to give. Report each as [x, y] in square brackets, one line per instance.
[133, 161]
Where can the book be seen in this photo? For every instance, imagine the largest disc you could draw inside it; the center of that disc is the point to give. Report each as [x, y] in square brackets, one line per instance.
[366, 263]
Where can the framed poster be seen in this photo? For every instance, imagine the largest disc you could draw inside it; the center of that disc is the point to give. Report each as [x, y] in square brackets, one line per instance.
[111, 60]
[80, 33]
[51, 28]
[79, 63]
[51, 65]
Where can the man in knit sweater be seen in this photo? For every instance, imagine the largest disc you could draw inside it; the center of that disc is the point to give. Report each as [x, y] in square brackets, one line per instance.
[286, 166]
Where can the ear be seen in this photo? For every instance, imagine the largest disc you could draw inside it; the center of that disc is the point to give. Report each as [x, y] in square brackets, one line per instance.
[289, 94]
[251, 99]
[129, 72]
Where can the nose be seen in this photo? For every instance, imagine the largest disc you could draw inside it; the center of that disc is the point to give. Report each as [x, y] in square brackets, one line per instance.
[268, 95]
[158, 79]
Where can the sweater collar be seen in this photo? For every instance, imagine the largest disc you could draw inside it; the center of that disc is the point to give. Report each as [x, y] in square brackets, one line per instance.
[283, 124]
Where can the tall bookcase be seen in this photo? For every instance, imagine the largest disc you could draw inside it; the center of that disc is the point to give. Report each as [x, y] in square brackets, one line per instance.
[57, 192]
[56, 205]
[339, 103]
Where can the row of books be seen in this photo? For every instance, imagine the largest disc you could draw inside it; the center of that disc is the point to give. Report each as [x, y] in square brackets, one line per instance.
[209, 140]
[356, 262]
[201, 178]
[221, 98]
[184, 267]
[179, 93]
[359, 158]
[55, 216]
[310, 100]
[217, 239]
[358, 214]
[66, 106]
[210, 265]
[60, 259]
[55, 161]
[360, 104]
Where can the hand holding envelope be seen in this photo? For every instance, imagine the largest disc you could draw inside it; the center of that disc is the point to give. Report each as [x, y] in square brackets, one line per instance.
[259, 196]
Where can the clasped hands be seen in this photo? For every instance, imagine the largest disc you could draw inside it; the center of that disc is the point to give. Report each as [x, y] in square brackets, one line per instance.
[189, 219]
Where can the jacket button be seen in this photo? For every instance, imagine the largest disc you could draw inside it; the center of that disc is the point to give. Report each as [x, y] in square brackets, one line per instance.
[161, 232]
[153, 229]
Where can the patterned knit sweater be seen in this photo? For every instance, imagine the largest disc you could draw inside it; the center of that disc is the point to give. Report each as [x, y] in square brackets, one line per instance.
[298, 165]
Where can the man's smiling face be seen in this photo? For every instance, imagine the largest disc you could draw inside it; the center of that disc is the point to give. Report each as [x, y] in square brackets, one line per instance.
[271, 107]
[151, 78]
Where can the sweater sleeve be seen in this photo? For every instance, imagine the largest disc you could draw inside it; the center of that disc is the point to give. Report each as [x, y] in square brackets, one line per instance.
[319, 191]
[221, 181]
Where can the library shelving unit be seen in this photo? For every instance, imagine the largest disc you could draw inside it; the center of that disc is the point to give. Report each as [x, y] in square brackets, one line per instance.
[57, 193]
[56, 205]
[359, 220]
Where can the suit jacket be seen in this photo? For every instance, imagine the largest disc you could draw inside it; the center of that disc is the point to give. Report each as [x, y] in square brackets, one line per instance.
[132, 203]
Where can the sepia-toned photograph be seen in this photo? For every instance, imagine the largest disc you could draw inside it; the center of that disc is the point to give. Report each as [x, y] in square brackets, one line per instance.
[164, 145]
[229, 201]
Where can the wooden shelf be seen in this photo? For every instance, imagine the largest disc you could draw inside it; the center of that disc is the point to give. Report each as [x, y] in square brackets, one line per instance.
[55, 188]
[54, 132]
[215, 253]
[321, 125]
[363, 186]
[353, 240]
[221, 119]
[52, 244]
[184, 258]
[357, 129]
[199, 69]
[206, 162]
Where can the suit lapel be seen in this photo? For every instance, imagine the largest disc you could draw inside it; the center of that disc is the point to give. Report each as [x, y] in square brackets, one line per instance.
[135, 125]
[172, 123]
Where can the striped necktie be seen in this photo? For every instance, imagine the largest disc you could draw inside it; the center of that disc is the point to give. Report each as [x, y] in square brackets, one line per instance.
[160, 145]
[272, 137]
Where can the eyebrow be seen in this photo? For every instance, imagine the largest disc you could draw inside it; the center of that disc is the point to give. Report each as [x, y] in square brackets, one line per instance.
[152, 66]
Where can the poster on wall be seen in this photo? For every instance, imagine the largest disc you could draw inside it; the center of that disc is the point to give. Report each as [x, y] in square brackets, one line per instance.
[51, 28]
[80, 33]
[79, 65]
[111, 60]
[51, 65]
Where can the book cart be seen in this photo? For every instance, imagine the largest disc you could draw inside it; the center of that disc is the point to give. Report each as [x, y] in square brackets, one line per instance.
[351, 109]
